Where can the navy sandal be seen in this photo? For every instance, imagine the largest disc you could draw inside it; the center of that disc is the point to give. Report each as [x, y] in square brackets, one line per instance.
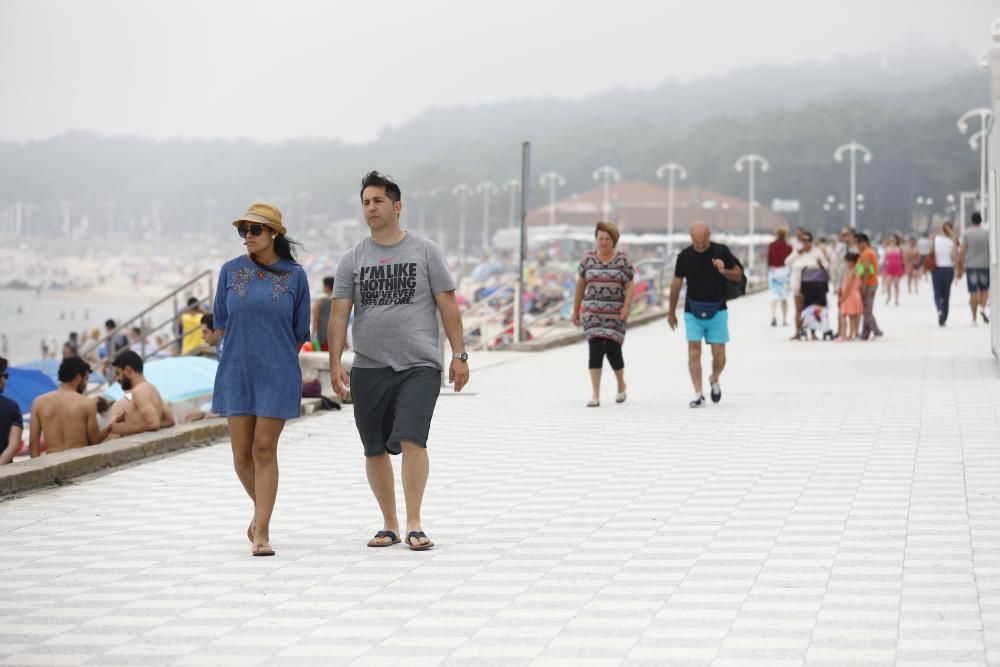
[411, 541]
[384, 533]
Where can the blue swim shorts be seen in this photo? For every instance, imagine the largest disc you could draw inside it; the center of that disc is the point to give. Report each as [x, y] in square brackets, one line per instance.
[714, 330]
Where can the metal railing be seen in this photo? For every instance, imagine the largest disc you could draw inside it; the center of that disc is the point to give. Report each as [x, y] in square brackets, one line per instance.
[553, 320]
[140, 320]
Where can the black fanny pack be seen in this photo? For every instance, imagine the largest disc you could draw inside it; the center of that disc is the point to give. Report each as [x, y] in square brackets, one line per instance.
[704, 310]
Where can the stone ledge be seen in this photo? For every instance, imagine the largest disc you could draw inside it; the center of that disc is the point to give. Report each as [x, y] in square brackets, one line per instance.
[62, 466]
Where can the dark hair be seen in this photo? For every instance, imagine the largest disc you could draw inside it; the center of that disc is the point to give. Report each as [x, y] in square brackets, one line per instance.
[110, 324]
[328, 282]
[3, 364]
[128, 359]
[977, 218]
[192, 301]
[103, 405]
[137, 331]
[806, 235]
[73, 335]
[73, 367]
[208, 320]
[852, 257]
[377, 180]
[862, 238]
[284, 247]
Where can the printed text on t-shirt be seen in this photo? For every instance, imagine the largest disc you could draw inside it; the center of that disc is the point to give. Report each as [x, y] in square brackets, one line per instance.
[388, 284]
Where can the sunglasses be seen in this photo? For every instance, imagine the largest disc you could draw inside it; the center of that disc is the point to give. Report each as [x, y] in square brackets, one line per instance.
[256, 229]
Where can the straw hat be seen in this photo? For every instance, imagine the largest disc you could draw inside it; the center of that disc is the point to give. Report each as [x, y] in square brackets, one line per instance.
[265, 214]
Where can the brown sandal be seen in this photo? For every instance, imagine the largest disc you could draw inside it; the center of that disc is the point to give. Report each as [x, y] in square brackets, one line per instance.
[263, 550]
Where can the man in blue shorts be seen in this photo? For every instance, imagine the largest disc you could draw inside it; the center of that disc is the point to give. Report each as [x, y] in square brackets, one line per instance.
[706, 267]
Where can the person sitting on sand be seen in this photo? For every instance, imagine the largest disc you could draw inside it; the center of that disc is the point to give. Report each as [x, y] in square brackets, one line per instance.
[141, 409]
[65, 417]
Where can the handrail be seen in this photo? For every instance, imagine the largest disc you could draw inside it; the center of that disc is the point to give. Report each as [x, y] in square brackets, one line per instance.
[126, 324]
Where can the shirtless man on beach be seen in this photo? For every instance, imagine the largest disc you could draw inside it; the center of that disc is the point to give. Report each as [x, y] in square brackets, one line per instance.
[65, 417]
[141, 409]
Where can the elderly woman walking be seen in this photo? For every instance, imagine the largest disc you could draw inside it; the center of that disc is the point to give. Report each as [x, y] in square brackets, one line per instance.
[603, 299]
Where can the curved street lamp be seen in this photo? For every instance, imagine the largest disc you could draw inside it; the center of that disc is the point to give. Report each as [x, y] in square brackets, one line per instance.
[985, 123]
[749, 161]
[461, 191]
[853, 148]
[607, 174]
[513, 187]
[552, 179]
[672, 170]
[486, 189]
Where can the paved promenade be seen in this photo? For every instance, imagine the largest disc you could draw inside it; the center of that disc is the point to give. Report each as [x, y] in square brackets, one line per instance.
[840, 506]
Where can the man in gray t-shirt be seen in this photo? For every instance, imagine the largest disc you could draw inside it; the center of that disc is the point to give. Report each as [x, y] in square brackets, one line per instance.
[393, 288]
[974, 258]
[397, 284]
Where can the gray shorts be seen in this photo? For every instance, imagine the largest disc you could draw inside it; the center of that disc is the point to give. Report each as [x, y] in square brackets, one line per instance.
[390, 406]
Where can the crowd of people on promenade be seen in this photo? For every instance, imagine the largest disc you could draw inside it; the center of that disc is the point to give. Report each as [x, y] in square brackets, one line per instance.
[833, 282]
[398, 287]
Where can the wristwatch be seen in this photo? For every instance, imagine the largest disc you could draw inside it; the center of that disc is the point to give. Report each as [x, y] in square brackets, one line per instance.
[461, 356]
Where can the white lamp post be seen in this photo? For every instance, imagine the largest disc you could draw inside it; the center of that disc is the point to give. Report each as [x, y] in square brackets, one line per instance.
[853, 148]
[552, 179]
[750, 160]
[672, 170]
[461, 191]
[607, 174]
[978, 140]
[513, 187]
[486, 189]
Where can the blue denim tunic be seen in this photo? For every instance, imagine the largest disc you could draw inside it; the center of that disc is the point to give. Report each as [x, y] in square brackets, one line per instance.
[265, 316]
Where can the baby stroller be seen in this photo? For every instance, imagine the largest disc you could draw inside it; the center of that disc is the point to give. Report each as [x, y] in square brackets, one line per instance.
[816, 320]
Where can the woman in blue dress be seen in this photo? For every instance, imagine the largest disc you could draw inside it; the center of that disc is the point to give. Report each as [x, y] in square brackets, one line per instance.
[262, 305]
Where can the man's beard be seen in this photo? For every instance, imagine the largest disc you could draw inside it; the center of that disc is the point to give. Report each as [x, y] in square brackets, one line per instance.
[126, 384]
[82, 387]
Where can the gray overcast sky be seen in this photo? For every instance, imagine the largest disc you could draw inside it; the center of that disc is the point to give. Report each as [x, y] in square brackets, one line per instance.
[284, 69]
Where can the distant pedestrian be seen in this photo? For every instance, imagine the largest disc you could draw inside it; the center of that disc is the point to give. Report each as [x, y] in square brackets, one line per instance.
[777, 275]
[913, 263]
[850, 305]
[321, 316]
[945, 254]
[810, 279]
[975, 261]
[603, 300]
[867, 268]
[894, 268]
[706, 267]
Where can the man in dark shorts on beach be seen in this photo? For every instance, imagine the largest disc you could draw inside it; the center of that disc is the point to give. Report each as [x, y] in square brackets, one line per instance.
[397, 284]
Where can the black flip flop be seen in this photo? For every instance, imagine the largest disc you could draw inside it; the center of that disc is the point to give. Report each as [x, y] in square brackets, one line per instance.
[417, 546]
[384, 533]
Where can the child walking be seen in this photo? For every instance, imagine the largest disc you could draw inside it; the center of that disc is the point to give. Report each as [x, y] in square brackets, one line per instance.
[849, 303]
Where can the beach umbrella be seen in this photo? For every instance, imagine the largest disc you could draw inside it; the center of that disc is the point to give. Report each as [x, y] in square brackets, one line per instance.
[176, 378]
[25, 384]
[51, 368]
